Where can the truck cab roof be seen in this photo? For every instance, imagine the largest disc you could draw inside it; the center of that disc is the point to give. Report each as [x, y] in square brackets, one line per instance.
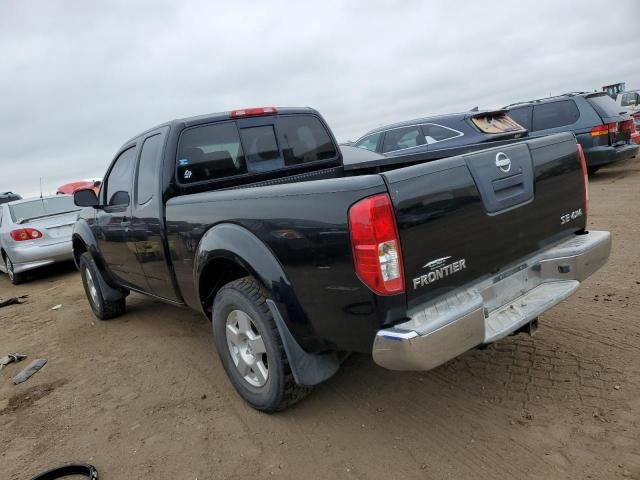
[220, 116]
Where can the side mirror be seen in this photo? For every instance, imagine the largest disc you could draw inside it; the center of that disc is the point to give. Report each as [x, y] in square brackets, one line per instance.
[85, 198]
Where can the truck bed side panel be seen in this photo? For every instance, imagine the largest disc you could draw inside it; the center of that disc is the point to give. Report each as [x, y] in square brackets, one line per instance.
[305, 226]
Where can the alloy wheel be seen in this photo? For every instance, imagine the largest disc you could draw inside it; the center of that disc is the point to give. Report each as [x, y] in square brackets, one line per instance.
[91, 286]
[247, 348]
[9, 267]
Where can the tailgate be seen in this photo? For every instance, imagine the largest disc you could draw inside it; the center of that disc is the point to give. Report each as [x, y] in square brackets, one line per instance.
[469, 216]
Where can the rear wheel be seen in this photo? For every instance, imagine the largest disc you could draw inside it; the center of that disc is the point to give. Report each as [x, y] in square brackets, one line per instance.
[16, 278]
[102, 308]
[251, 349]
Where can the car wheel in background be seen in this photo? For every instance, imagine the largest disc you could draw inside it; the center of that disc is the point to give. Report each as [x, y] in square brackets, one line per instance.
[592, 170]
[16, 278]
[251, 349]
[91, 279]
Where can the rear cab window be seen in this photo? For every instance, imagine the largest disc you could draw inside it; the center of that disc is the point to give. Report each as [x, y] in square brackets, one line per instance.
[230, 149]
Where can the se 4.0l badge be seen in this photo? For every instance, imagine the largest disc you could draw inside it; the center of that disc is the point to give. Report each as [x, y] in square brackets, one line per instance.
[570, 216]
[439, 269]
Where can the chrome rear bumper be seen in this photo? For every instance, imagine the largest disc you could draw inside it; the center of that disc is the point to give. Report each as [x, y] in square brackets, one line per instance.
[492, 308]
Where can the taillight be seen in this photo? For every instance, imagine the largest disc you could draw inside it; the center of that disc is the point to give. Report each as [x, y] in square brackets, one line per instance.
[23, 234]
[376, 244]
[604, 129]
[585, 179]
[253, 112]
[628, 126]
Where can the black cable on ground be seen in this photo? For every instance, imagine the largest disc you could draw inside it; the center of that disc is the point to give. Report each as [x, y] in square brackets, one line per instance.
[85, 469]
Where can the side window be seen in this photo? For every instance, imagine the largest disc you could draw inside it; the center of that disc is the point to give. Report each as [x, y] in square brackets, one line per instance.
[437, 133]
[119, 180]
[401, 138]
[522, 116]
[148, 168]
[369, 142]
[555, 114]
[209, 152]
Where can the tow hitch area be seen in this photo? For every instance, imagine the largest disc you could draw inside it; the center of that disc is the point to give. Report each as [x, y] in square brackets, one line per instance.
[530, 328]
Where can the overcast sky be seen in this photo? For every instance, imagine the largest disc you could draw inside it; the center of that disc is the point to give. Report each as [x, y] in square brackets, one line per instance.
[78, 79]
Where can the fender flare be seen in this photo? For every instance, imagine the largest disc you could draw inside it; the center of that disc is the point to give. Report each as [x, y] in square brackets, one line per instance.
[236, 243]
[82, 232]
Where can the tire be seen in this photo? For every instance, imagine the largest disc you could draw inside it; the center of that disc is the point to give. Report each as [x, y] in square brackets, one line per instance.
[16, 278]
[241, 315]
[102, 308]
[592, 170]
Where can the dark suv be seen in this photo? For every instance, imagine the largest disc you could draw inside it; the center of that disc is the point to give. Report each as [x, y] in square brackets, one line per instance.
[6, 197]
[599, 124]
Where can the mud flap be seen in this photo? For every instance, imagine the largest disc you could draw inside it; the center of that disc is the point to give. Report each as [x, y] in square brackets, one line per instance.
[308, 369]
[109, 293]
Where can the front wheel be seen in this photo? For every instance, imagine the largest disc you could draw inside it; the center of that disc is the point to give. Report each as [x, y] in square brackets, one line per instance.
[251, 349]
[102, 307]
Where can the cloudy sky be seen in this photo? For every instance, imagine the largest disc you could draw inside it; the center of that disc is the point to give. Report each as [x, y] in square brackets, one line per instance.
[77, 79]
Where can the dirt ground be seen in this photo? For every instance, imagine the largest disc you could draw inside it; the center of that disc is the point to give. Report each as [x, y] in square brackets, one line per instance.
[145, 396]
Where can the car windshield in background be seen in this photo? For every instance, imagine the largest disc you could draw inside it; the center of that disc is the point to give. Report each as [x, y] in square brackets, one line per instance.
[221, 150]
[42, 208]
[605, 105]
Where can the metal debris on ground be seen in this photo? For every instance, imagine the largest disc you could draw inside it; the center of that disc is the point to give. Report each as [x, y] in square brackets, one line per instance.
[13, 301]
[28, 372]
[56, 307]
[11, 358]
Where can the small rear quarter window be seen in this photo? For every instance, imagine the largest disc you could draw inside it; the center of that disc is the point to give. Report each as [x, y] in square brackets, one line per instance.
[304, 139]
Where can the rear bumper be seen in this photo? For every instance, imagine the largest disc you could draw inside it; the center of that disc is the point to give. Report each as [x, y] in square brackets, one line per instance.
[600, 156]
[493, 308]
[28, 257]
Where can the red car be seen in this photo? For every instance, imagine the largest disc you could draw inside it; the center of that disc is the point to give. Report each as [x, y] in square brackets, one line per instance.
[70, 188]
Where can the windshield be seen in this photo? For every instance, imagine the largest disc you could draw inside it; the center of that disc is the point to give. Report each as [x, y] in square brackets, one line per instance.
[42, 208]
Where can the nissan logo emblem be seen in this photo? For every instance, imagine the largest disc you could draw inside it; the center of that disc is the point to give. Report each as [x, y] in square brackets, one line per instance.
[503, 162]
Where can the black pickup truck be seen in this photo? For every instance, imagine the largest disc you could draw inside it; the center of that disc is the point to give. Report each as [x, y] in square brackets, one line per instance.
[301, 251]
